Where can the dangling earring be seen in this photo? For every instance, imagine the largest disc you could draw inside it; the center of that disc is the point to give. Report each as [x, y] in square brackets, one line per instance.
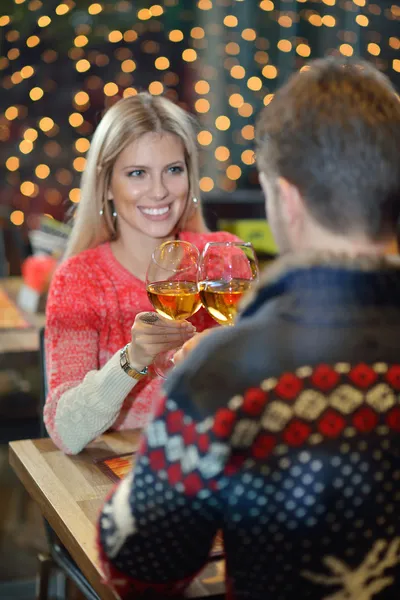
[114, 218]
[111, 224]
[195, 201]
[114, 212]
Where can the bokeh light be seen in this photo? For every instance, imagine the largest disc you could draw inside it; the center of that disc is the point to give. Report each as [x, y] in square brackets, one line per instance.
[17, 217]
[206, 184]
[42, 171]
[222, 153]
[75, 195]
[62, 66]
[204, 138]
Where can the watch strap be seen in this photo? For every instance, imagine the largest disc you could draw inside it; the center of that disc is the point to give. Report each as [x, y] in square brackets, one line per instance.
[127, 367]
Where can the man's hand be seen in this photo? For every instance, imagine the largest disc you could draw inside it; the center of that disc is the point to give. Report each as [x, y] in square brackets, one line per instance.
[188, 346]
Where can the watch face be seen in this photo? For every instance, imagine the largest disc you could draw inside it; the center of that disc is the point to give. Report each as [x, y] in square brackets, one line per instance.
[124, 359]
[134, 373]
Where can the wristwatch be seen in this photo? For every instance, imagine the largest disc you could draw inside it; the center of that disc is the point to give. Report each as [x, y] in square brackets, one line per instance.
[126, 365]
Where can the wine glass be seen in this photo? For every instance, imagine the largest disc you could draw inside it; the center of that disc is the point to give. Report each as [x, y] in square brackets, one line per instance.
[226, 271]
[171, 284]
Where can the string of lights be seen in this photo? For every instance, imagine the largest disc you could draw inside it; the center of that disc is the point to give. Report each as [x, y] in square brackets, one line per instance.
[63, 62]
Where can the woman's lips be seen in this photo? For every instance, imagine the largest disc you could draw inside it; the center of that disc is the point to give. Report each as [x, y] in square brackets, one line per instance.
[158, 213]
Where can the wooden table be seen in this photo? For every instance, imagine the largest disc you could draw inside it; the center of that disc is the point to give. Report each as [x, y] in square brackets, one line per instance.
[70, 491]
[19, 344]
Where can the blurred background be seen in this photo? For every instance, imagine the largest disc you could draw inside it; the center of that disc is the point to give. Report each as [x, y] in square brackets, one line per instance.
[61, 64]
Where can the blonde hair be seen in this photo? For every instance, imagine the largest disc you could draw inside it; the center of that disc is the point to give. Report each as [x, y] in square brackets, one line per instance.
[126, 121]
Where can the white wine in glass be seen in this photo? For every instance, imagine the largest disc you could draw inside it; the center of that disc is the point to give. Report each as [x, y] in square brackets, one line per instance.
[171, 284]
[226, 272]
[174, 300]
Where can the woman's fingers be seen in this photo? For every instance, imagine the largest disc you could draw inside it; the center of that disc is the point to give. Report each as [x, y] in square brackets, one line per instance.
[159, 333]
[150, 329]
[152, 335]
[161, 348]
[166, 338]
[155, 321]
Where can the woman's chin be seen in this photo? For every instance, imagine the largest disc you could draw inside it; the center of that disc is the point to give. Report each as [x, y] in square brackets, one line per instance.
[159, 230]
[159, 227]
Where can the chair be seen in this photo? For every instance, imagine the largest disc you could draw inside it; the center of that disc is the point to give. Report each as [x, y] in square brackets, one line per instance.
[58, 557]
[18, 420]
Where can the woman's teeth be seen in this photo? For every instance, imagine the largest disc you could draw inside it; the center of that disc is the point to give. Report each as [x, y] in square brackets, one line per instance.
[155, 211]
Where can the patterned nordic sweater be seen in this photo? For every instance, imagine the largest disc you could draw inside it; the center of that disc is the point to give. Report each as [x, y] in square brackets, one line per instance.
[92, 304]
[283, 432]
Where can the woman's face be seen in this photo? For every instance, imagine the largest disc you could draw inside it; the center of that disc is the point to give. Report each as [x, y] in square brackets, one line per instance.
[150, 185]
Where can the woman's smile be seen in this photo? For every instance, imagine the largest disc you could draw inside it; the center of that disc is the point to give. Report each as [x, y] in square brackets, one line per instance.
[158, 213]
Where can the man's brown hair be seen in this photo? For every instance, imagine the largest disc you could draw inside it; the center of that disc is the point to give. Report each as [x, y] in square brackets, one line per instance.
[333, 131]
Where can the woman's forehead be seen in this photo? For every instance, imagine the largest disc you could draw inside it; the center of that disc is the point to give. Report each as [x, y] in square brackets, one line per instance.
[153, 148]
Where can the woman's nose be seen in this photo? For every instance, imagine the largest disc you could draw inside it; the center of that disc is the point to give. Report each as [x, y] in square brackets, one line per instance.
[159, 190]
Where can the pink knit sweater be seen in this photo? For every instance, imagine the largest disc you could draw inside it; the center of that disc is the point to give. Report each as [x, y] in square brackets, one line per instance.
[92, 304]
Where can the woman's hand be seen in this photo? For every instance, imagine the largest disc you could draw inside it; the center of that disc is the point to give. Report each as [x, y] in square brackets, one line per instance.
[151, 335]
[189, 346]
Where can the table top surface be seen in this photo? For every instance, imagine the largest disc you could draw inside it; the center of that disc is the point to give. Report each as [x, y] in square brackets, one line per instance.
[70, 491]
[17, 341]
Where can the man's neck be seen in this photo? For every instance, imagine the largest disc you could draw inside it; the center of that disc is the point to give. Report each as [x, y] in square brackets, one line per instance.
[319, 240]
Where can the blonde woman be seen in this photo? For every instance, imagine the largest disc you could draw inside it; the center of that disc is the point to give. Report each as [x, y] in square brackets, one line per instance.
[140, 188]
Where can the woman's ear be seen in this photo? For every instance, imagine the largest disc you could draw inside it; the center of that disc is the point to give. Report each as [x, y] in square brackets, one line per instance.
[107, 184]
[263, 182]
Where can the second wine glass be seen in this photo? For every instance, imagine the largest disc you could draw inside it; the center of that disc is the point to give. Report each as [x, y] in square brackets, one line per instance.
[226, 271]
[171, 284]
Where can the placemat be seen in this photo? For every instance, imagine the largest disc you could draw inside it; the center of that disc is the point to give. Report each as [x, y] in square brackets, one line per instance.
[116, 467]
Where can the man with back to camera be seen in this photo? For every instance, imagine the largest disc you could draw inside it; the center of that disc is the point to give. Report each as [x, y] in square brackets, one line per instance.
[283, 430]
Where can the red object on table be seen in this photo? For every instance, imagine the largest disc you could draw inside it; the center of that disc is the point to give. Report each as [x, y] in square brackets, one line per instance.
[37, 272]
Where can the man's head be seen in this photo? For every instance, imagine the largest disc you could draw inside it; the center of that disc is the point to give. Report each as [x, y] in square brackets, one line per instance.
[328, 151]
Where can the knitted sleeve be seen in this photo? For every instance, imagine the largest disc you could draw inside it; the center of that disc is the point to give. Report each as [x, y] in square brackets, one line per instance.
[157, 528]
[83, 400]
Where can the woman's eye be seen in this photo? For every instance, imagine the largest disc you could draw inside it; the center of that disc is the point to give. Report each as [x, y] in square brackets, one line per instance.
[136, 173]
[176, 169]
